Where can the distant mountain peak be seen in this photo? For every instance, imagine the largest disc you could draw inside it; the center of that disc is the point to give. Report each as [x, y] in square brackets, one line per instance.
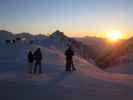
[5, 32]
[57, 34]
[5, 35]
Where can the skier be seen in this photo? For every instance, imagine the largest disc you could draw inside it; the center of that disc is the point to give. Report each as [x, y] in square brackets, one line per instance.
[38, 61]
[69, 53]
[30, 61]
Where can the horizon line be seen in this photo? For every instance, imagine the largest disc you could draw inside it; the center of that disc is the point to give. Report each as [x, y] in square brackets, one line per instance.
[65, 33]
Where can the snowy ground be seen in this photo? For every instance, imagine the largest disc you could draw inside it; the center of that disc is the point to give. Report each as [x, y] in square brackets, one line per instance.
[87, 83]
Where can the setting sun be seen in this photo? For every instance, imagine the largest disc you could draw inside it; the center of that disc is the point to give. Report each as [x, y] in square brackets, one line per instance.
[114, 36]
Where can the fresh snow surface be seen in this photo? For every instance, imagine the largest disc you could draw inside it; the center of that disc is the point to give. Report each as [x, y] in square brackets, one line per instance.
[87, 83]
[124, 66]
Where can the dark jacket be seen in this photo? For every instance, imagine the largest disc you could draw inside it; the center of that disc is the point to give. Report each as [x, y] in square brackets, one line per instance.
[69, 54]
[30, 57]
[38, 55]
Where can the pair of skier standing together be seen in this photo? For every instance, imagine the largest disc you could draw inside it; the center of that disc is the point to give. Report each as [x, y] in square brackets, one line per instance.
[36, 59]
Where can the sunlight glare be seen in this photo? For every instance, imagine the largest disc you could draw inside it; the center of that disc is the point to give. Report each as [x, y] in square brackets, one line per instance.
[114, 36]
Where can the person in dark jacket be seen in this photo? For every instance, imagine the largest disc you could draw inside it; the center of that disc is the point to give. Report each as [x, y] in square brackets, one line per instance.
[30, 61]
[69, 53]
[38, 61]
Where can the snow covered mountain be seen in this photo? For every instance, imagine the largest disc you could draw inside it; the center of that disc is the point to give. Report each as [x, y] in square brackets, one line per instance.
[125, 62]
[88, 82]
[5, 35]
[91, 40]
[92, 49]
[59, 41]
[106, 53]
[56, 41]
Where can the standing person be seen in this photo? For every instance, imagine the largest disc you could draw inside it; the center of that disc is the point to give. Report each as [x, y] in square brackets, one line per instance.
[38, 61]
[69, 53]
[30, 61]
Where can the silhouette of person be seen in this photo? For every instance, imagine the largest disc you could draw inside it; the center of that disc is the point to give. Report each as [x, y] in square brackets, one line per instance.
[30, 61]
[38, 61]
[69, 53]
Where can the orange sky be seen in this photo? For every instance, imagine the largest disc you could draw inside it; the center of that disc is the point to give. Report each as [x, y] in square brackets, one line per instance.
[74, 17]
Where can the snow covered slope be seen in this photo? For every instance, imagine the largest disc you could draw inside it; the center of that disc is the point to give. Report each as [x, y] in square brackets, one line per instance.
[124, 65]
[87, 83]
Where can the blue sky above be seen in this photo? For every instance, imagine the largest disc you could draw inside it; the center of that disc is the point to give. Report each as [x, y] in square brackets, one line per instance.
[75, 17]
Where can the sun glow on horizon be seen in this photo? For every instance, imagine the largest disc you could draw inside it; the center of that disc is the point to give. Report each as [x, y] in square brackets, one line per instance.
[114, 36]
